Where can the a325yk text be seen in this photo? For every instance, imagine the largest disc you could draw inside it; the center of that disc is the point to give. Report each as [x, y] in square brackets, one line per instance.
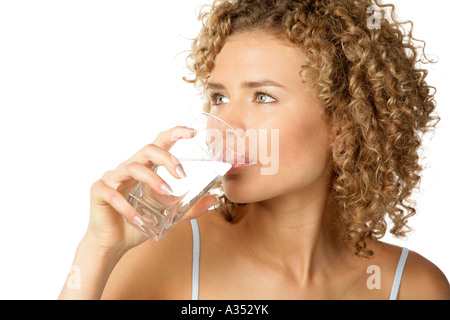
[230, 309]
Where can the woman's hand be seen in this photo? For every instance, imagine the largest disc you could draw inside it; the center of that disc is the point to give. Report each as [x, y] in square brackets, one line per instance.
[107, 230]
[108, 236]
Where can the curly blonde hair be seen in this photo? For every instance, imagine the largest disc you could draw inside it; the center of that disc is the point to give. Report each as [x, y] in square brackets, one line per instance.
[371, 88]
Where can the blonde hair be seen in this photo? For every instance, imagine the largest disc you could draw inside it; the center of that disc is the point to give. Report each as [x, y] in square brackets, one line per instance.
[370, 85]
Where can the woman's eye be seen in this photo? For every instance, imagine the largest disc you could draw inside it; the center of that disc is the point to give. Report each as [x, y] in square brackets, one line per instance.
[217, 99]
[264, 98]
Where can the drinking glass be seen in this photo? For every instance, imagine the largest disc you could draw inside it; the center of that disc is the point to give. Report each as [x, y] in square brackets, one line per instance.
[205, 158]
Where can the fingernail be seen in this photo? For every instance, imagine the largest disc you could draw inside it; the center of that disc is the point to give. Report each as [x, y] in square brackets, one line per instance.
[166, 189]
[138, 221]
[191, 129]
[179, 170]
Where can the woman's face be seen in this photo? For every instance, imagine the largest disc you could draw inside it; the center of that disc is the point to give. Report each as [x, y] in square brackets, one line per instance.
[255, 84]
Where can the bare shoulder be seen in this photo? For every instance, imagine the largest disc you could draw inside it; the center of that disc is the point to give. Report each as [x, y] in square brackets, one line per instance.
[155, 270]
[423, 280]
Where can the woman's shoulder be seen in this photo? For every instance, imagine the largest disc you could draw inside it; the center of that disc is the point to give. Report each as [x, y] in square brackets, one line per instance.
[421, 279]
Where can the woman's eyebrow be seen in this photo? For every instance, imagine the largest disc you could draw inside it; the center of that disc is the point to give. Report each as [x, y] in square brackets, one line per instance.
[246, 84]
[261, 83]
[214, 86]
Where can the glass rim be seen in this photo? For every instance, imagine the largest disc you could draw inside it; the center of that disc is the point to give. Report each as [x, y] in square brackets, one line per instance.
[219, 119]
[228, 128]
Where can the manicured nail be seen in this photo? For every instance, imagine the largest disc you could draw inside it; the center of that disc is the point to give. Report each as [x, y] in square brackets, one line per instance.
[179, 170]
[191, 130]
[138, 221]
[166, 189]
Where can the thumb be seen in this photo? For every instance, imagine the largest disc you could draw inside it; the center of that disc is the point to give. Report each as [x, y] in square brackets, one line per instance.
[201, 206]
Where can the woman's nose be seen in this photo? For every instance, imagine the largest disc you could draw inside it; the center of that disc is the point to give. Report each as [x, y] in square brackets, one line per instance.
[230, 115]
[232, 129]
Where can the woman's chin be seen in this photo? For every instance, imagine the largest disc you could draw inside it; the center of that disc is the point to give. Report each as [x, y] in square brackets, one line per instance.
[240, 192]
[235, 191]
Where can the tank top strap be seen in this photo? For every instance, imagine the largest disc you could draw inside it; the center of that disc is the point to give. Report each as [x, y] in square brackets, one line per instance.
[195, 258]
[398, 274]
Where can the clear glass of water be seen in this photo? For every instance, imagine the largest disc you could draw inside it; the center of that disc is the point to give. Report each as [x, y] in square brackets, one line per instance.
[205, 158]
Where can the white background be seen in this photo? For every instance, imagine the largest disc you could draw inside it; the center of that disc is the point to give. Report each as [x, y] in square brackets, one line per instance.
[85, 84]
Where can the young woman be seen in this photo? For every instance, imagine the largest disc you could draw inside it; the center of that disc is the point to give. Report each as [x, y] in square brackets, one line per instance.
[341, 87]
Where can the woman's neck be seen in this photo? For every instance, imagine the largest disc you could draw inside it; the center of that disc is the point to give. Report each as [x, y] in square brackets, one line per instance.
[294, 232]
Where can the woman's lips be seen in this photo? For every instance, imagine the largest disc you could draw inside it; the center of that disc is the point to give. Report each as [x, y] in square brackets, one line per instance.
[239, 162]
